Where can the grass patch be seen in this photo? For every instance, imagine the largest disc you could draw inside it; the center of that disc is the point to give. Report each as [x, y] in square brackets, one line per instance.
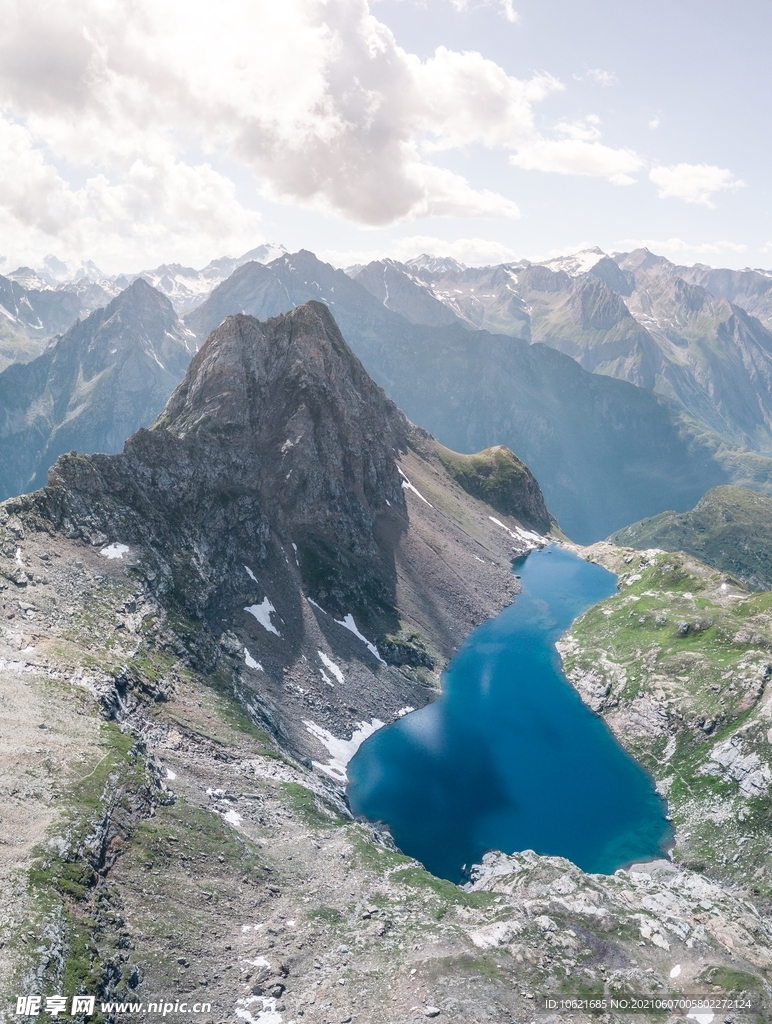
[313, 809]
[329, 915]
[372, 855]
[731, 980]
[64, 875]
[419, 878]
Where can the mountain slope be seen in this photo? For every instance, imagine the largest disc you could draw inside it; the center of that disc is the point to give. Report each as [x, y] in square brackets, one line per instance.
[279, 460]
[729, 528]
[181, 710]
[605, 453]
[29, 317]
[91, 389]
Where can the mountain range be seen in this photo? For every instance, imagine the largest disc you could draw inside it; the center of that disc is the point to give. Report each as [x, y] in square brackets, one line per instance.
[698, 336]
[100, 381]
[622, 382]
[200, 630]
[38, 304]
[600, 447]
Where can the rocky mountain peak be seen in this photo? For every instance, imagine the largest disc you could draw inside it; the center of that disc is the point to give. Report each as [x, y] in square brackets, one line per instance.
[596, 307]
[143, 302]
[277, 376]
[276, 445]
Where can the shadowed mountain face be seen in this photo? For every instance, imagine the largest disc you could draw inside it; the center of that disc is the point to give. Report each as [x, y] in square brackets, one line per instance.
[730, 528]
[91, 389]
[605, 453]
[283, 497]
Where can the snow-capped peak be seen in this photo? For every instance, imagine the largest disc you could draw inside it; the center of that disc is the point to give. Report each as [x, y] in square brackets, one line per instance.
[577, 263]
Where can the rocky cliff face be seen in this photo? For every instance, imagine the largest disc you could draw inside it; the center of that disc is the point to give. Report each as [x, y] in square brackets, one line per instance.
[91, 389]
[604, 454]
[283, 500]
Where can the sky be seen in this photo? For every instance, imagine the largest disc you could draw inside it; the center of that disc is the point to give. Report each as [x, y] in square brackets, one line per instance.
[138, 132]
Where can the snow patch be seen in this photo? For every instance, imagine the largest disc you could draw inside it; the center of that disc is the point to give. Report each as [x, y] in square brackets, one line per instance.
[701, 1018]
[407, 486]
[311, 601]
[498, 522]
[348, 623]
[170, 774]
[250, 661]
[114, 551]
[330, 664]
[251, 574]
[262, 612]
[675, 971]
[341, 751]
[577, 263]
[268, 1014]
[404, 711]
[233, 817]
[259, 961]
[530, 537]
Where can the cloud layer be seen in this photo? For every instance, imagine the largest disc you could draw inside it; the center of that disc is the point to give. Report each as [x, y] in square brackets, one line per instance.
[131, 129]
[694, 183]
[315, 97]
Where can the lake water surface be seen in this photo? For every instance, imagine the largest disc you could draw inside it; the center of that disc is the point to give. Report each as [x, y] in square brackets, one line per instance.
[509, 758]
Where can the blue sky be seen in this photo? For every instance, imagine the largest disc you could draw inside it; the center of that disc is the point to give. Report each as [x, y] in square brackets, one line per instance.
[136, 134]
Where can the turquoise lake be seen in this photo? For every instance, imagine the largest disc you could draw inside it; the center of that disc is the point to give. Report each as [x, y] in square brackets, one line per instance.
[509, 758]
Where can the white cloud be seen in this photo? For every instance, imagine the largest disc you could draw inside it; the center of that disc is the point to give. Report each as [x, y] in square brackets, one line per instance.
[694, 183]
[604, 78]
[474, 252]
[654, 123]
[585, 129]
[331, 113]
[156, 204]
[578, 156]
[506, 7]
[678, 245]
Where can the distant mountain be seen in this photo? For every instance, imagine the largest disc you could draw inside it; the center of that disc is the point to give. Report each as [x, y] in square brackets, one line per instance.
[605, 452]
[92, 286]
[30, 316]
[404, 292]
[187, 288]
[576, 263]
[481, 298]
[730, 528]
[749, 289]
[636, 316]
[105, 377]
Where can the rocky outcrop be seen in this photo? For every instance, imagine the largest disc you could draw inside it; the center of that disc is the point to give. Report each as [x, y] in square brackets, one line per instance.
[498, 477]
[284, 503]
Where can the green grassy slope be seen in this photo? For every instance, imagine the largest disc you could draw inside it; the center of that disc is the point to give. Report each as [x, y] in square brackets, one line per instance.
[730, 528]
[678, 663]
